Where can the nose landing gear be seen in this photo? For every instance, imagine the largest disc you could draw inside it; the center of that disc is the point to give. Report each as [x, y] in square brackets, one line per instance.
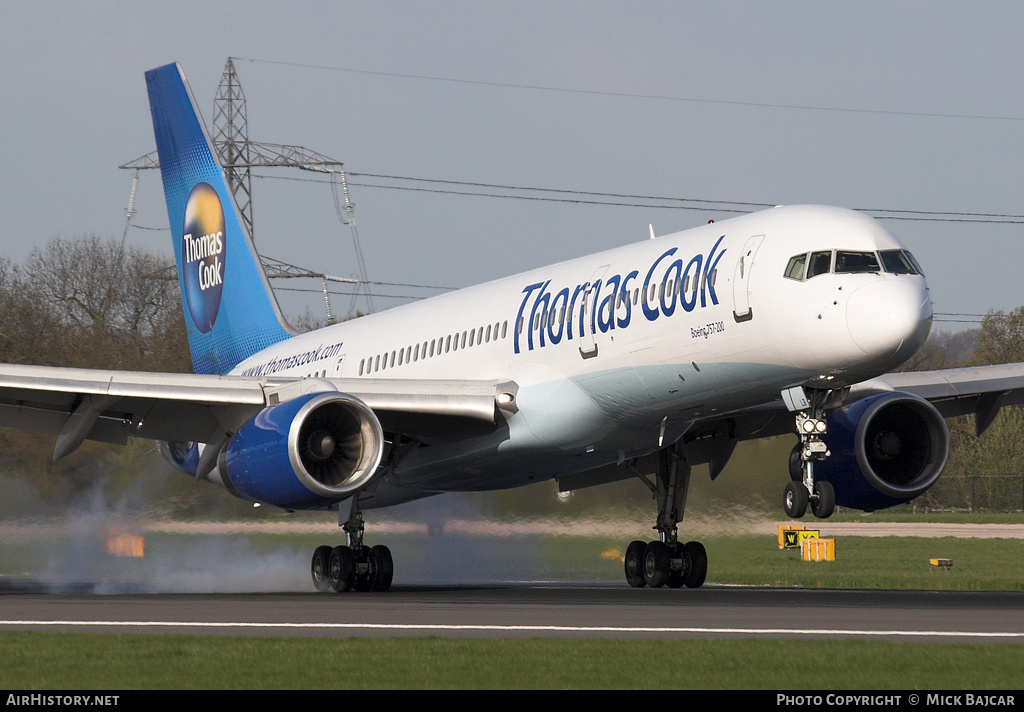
[811, 426]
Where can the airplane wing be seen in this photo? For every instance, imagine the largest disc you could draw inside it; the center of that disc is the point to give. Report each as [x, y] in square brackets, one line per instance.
[977, 390]
[981, 390]
[109, 406]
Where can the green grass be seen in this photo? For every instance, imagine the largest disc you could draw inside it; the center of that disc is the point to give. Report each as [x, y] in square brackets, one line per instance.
[873, 563]
[903, 514]
[63, 661]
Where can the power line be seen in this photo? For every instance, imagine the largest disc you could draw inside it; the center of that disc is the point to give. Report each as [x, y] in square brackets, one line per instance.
[666, 202]
[562, 190]
[634, 95]
[337, 292]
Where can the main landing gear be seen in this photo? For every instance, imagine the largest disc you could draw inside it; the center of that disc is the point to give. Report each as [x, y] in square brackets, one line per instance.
[804, 490]
[352, 567]
[667, 561]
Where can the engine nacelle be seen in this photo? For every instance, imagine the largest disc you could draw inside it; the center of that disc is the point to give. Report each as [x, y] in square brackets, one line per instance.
[885, 450]
[183, 455]
[303, 453]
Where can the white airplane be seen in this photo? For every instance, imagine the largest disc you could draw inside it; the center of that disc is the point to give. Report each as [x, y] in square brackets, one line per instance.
[641, 361]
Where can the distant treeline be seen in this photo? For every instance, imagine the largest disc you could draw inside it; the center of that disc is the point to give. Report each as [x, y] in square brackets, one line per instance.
[92, 303]
[986, 473]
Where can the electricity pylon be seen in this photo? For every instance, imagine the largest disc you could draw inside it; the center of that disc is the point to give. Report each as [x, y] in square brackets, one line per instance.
[238, 155]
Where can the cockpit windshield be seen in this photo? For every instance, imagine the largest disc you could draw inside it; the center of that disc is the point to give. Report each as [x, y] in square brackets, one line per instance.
[854, 262]
[821, 263]
[899, 262]
[807, 265]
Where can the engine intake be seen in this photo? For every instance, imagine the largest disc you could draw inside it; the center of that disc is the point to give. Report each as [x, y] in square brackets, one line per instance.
[886, 450]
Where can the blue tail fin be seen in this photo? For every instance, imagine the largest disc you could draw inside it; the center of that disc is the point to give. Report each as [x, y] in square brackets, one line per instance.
[230, 310]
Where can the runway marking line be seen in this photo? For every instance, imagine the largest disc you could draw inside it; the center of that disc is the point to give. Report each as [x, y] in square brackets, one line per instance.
[520, 628]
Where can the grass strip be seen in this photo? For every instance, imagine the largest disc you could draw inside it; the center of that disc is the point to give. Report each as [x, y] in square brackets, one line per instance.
[69, 661]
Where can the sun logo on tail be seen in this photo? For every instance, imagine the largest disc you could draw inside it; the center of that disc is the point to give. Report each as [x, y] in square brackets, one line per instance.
[203, 251]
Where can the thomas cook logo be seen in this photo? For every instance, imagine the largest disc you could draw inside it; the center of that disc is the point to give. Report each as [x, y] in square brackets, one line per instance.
[203, 248]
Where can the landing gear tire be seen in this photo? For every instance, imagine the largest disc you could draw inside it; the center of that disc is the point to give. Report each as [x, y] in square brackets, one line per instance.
[319, 568]
[796, 464]
[360, 581]
[380, 568]
[679, 563]
[824, 503]
[342, 569]
[657, 564]
[695, 568]
[633, 562]
[794, 499]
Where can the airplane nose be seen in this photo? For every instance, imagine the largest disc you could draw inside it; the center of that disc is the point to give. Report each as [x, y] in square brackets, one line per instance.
[890, 318]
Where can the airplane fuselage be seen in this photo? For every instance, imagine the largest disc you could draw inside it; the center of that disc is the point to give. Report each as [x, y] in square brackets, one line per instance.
[618, 353]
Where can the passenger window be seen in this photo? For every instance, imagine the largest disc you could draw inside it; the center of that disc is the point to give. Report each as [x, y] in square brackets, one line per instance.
[795, 268]
[856, 262]
[821, 263]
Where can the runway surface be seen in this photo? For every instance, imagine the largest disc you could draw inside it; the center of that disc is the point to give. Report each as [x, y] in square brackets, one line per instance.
[184, 567]
[524, 610]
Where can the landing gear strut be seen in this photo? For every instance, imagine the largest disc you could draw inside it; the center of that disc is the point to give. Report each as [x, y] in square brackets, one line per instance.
[667, 561]
[352, 566]
[811, 426]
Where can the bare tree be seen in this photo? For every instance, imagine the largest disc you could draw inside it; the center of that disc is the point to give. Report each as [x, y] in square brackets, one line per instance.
[92, 303]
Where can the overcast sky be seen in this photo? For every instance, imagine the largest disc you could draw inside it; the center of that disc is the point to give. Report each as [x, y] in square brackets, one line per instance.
[889, 105]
